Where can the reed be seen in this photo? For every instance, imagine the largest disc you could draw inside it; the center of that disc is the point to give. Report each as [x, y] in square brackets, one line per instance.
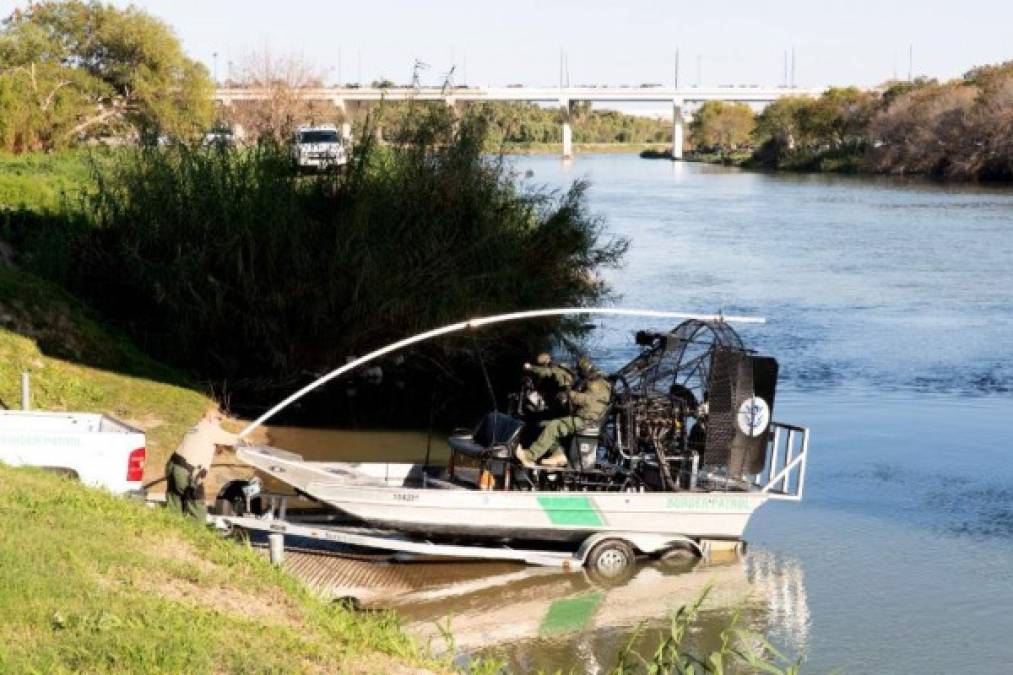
[225, 262]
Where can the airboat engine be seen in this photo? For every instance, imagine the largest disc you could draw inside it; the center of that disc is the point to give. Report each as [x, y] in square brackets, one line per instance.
[695, 402]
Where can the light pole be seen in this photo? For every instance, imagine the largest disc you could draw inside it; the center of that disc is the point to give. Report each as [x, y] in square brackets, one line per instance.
[214, 58]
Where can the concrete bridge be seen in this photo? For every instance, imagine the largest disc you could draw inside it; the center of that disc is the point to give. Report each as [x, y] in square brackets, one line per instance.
[682, 99]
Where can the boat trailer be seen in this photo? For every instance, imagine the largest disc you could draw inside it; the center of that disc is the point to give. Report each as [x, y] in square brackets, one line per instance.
[607, 553]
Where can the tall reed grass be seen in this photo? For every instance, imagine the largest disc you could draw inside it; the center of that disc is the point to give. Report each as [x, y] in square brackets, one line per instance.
[224, 261]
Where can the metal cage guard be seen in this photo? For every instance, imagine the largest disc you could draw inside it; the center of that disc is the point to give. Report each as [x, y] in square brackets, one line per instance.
[784, 475]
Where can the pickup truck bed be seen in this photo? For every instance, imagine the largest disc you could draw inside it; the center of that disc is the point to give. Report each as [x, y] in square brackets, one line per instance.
[99, 450]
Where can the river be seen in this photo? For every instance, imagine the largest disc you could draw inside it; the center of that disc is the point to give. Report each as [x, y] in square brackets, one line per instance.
[890, 307]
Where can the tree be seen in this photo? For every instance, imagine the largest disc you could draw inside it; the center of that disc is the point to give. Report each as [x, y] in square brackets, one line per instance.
[923, 131]
[838, 118]
[725, 126]
[72, 70]
[778, 131]
[279, 79]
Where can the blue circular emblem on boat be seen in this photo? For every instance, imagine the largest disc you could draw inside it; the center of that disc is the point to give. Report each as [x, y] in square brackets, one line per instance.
[754, 416]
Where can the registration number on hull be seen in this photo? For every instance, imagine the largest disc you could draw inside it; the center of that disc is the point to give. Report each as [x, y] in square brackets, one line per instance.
[405, 497]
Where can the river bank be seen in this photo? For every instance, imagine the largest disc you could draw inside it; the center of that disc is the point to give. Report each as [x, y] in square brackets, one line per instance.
[580, 148]
[125, 588]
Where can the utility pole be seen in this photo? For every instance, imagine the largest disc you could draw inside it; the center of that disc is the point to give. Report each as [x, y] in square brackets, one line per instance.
[676, 67]
[911, 63]
[214, 58]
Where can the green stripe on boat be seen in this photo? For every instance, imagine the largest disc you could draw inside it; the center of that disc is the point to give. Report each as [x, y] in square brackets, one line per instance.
[570, 510]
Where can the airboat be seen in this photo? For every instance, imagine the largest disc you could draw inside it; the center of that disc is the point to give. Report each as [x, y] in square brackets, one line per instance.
[686, 452]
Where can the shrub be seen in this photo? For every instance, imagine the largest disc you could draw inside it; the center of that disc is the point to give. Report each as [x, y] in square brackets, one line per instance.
[225, 262]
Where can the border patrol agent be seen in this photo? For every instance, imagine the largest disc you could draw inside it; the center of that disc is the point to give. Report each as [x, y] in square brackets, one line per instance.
[588, 404]
[189, 465]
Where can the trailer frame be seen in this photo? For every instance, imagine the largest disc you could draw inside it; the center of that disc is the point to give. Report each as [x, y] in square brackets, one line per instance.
[276, 524]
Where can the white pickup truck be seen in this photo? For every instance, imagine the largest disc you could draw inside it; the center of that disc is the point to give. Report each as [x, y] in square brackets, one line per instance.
[318, 147]
[97, 449]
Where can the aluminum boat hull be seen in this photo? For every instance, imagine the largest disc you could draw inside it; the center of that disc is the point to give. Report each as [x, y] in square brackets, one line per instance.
[381, 495]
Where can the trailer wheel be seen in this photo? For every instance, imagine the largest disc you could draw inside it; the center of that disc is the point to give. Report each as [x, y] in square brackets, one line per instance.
[678, 558]
[232, 502]
[610, 560]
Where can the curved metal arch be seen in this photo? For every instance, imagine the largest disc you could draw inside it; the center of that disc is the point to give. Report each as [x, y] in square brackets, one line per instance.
[478, 323]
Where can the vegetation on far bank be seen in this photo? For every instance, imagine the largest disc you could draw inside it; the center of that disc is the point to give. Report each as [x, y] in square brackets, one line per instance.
[959, 129]
[581, 148]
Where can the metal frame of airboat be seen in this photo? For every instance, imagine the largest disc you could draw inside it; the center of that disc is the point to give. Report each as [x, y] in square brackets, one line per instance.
[783, 478]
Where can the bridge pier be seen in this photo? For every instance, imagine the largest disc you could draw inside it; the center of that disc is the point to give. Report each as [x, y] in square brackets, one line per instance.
[564, 106]
[455, 114]
[677, 128]
[346, 120]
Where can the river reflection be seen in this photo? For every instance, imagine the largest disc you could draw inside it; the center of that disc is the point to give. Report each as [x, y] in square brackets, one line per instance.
[543, 620]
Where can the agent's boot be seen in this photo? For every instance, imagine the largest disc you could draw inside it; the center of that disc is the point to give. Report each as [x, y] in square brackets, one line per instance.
[525, 457]
[556, 459]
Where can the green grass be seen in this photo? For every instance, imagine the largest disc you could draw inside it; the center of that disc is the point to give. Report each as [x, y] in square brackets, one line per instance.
[41, 182]
[77, 364]
[96, 583]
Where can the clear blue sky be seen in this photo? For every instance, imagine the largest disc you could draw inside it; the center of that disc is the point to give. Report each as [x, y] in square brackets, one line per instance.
[609, 42]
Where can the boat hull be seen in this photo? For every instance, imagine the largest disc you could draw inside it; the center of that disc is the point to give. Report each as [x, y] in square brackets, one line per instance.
[379, 495]
[565, 517]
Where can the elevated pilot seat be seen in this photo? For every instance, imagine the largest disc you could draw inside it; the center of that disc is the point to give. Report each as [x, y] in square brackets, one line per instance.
[491, 443]
[583, 449]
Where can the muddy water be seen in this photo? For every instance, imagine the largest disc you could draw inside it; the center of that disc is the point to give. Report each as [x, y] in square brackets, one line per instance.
[360, 446]
[890, 307]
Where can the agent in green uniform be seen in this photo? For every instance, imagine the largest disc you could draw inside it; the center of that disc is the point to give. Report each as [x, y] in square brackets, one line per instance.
[588, 403]
[549, 375]
[189, 465]
[552, 381]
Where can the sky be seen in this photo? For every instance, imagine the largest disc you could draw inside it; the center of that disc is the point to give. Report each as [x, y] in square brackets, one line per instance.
[861, 42]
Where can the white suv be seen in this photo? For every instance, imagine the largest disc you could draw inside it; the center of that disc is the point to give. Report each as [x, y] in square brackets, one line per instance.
[318, 147]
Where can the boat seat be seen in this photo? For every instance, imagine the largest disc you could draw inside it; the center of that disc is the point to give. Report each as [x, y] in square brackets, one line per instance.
[495, 437]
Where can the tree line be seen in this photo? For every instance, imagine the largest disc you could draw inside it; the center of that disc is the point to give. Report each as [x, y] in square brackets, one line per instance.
[71, 71]
[959, 129]
[74, 72]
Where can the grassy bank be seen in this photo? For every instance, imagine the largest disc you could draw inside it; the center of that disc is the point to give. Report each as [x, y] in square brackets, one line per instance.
[41, 182]
[95, 583]
[77, 363]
